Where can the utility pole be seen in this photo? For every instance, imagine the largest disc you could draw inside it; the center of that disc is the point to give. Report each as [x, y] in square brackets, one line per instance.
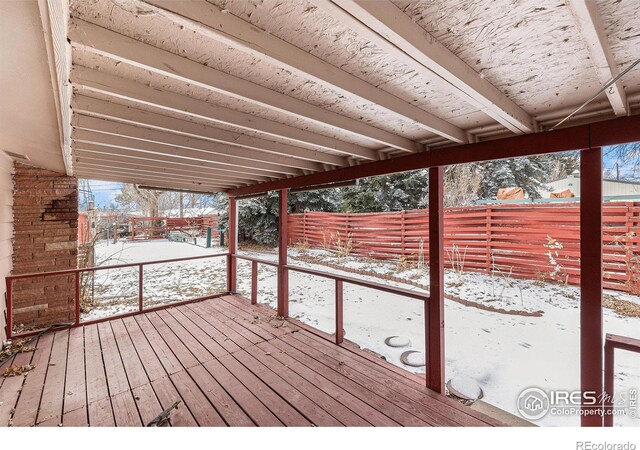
[181, 204]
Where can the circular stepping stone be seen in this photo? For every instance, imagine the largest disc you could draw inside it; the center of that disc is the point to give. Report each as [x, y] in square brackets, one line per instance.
[465, 388]
[413, 358]
[397, 341]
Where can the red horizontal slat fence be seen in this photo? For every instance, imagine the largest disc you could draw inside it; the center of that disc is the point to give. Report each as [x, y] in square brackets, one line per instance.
[533, 241]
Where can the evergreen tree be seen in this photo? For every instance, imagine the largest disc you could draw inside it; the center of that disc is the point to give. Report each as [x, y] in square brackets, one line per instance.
[258, 217]
[328, 200]
[395, 192]
[529, 173]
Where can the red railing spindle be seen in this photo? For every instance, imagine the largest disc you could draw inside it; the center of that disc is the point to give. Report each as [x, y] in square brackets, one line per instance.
[140, 287]
[611, 343]
[254, 282]
[339, 312]
[77, 298]
[609, 351]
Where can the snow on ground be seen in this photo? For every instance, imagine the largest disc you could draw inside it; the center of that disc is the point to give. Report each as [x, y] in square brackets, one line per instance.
[115, 291]
[503, 352]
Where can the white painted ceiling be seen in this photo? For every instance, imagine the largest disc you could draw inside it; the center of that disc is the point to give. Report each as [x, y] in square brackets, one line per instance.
[221, 94]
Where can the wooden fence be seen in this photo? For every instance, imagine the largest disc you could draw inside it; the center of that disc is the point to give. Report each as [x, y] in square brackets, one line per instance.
[159, 227]
[534, 241]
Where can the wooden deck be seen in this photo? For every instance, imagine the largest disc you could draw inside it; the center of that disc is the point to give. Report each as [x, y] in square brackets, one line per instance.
[230, 363]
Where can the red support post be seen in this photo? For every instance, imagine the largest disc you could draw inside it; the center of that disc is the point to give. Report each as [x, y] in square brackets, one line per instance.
[133, 229]
[283, 275]
[140, 287]
[434, 308]
[591, 341]
[339, 312]
[233, 245]
[77, 298]
[609, 363]
[254, 282]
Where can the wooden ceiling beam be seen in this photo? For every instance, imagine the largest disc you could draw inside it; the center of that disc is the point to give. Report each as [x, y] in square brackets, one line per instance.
[121, 113]
[100, 41]
[118, 178]
[209, 20]
[150, 173]
[591, 28]
[140, 177]
[177, 140]
[386, 26]
[82, 156]
[104, 149]
[113, 140]
[99, 82]
[54, 15]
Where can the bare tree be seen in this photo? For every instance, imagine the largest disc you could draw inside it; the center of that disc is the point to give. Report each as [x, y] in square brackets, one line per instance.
[623, 161]
[462, 184]
[143, 199]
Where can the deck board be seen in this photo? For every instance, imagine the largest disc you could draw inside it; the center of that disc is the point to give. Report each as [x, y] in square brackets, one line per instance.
[227, 363]
[26, 410]
[167, 394]
[51, 405]
[11, 389]
[75, 387]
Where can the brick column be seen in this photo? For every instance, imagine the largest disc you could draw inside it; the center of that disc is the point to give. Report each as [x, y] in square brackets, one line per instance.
[45, 225]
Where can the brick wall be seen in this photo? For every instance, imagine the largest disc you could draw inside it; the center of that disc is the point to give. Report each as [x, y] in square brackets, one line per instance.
[45, 225]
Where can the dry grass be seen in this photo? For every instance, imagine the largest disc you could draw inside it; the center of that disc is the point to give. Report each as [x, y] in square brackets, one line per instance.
[457, 260]
[342, 244]
[623, 307]
[302, 246]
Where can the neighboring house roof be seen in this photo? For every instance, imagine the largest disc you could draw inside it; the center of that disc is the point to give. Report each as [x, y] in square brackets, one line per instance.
[610, 187]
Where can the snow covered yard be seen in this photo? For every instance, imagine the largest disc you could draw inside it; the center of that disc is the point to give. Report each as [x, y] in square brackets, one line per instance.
[505, 334]
[116, 291]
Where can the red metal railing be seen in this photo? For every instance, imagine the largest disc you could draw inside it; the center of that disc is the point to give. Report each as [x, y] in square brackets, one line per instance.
[611, 343]
[340, 280]
[254, 273]
[77, 290]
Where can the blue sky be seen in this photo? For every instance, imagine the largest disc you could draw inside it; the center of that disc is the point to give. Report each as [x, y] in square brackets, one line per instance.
[103, 191]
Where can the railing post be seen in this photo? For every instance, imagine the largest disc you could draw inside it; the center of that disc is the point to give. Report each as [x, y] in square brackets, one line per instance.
[254, 282]
[591, 341]
[488, 232]
[9, 326]
[434, 308]
[283, 275]
[607, 406]
[140, 287]
[304, 226]
[629, 244]
[233, 245]
[339, 312]
[402, 233]
[77, 298]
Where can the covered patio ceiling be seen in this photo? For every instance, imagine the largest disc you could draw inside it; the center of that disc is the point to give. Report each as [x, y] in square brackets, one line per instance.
[219, 95]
